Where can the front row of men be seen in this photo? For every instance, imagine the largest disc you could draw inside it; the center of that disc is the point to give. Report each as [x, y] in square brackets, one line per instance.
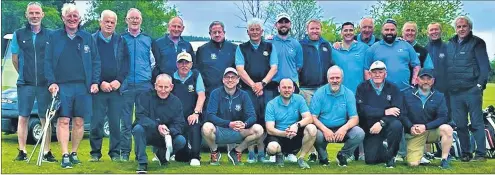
[292, 126]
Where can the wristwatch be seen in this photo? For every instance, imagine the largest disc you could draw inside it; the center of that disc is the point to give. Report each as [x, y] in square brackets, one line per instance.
[263, 83]
[479, 86]
[382, 123]
[197, 112]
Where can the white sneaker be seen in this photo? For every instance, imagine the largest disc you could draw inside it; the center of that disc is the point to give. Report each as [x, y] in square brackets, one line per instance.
[195, 162]
[155, 159]
[168, 144]
[424, 161]
[399, 158]
[291, 158]
[172, 158]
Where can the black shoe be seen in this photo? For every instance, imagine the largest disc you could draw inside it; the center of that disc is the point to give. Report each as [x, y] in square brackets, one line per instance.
[324, 162]
[65, 163]
[390, 163]
[312, 157]
[22, 156]
[279, 160]
[48, 157]
[466, 158]
[142, 169]
[160, 154]
[341, 159]
[479, 159]
[74, 159]
[235, 157]
[94, 158]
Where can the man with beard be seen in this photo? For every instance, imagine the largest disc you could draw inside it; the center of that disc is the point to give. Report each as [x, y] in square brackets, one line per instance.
[379, 104]
[231, 119]
[366, 27]
[214, 57]
[467, 70]
[437, 49]
[189, 87]
[289, 125]
[139, 77]
[72, 69]
[409, 33]
[290, 52]
[397, 54]
[108, 102]
[333, 108]
[158, 116]
[166, 48]
[256, 61]
[425, 120]
[28, 48]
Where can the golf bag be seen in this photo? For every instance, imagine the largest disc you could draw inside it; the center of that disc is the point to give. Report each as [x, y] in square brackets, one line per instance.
[489, 117]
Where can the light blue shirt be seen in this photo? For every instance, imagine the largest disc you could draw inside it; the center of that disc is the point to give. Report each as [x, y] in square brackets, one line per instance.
[428, 64]
[423, 97]
[352, 63]
[333, 110]
[200, 86]
[14, 46]
[370, 42]
[290, 58]
[397, 57]
[285, 115]
[239, 58]
[378, 90]
[107, 40]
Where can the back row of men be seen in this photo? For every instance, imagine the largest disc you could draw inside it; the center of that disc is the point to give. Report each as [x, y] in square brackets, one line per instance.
[106, 74]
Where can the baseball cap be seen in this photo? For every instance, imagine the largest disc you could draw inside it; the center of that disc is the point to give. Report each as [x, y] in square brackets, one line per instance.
[230, 69]
[184, 56]
[391, 21]
[377, 65]
[427, 72]
[282, 15]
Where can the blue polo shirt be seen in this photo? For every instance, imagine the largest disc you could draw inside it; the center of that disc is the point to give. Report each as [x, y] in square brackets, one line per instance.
[285, 115]
[333, 110]
[239, 58]
[14, 46]
[290, 58]
[352, 63]
[378, 90]
[398, 57]
[200, 86]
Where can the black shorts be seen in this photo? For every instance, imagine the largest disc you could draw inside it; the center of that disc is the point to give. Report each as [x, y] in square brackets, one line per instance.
[289, 146]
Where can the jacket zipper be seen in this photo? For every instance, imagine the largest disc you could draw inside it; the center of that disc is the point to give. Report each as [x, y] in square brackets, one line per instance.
[431, 94]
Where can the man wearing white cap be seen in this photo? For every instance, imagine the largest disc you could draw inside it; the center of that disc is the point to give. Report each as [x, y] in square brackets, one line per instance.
[290, 52]
[189, 87]
[230, 118]
[379, 104]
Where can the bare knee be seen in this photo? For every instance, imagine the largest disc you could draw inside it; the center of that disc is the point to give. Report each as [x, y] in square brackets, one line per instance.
[310, 130]
[446, 130]
[208, 129]
[257, 130]
[78, 122]
[273, 148]
[63, 121]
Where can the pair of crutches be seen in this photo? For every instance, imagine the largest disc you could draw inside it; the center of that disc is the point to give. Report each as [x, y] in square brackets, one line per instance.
[50, 114]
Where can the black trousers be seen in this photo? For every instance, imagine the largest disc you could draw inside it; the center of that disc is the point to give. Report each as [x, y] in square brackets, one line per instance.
[374, 149]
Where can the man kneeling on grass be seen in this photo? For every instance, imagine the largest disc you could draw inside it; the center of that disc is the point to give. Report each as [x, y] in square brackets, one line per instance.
[287, 132]
[426, 120]
[159, 120]
[230, 119]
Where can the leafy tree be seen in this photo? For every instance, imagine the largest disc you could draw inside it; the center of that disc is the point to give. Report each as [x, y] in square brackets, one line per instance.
[300, 12]
[330, 30]
[155, 15]
[422, 12]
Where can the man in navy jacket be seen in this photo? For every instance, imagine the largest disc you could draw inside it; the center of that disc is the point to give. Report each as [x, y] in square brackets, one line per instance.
[426, 118]
[230, 119]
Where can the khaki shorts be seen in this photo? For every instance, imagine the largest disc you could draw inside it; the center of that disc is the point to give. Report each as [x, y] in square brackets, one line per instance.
[416, 144]
[307, 93]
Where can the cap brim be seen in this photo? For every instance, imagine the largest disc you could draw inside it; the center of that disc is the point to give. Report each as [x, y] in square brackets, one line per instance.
[183, 59]
[230, 72]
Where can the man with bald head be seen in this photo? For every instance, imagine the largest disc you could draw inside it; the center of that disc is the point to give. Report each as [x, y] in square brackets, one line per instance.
[366, 27]
[166, 48]
[158, 115]
[287, 131]
[333, 108]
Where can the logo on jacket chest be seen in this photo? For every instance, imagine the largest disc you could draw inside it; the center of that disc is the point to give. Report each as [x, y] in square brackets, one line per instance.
[190, 88]
[86, 49]
[441, 55]
[238, 107]
[265, 53]
[213, 56]
[389, 97]
[324, 49]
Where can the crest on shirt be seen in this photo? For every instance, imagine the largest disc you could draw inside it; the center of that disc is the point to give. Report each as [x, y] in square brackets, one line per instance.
[400, 50]
[441, 55]
[213, 56]
[324, 49]
[86, 49]
[389, 97]
[190, 88]
[265, 53]
[356, 55]
[238, 107]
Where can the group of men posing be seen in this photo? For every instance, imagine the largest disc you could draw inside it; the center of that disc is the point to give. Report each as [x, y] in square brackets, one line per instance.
[286, 94]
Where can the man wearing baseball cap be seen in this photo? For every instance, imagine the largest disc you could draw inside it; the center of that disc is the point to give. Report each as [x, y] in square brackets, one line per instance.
[189, 87]
[425, 119]
[379, 104]
[230, 118]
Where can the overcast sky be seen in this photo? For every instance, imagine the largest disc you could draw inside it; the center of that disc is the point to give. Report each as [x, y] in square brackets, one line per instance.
[198, 15]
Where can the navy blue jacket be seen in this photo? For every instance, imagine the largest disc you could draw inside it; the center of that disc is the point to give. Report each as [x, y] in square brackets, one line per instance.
[31, 56]
[212, 59]
[152, 111]
[432, 114]
[223, 108]
[438, 52]
[165, 53]
[316, 63]
[121, 53]
[89, 54]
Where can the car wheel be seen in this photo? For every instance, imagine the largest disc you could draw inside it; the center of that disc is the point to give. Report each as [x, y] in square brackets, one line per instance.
[106, 128]
[34, 130]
